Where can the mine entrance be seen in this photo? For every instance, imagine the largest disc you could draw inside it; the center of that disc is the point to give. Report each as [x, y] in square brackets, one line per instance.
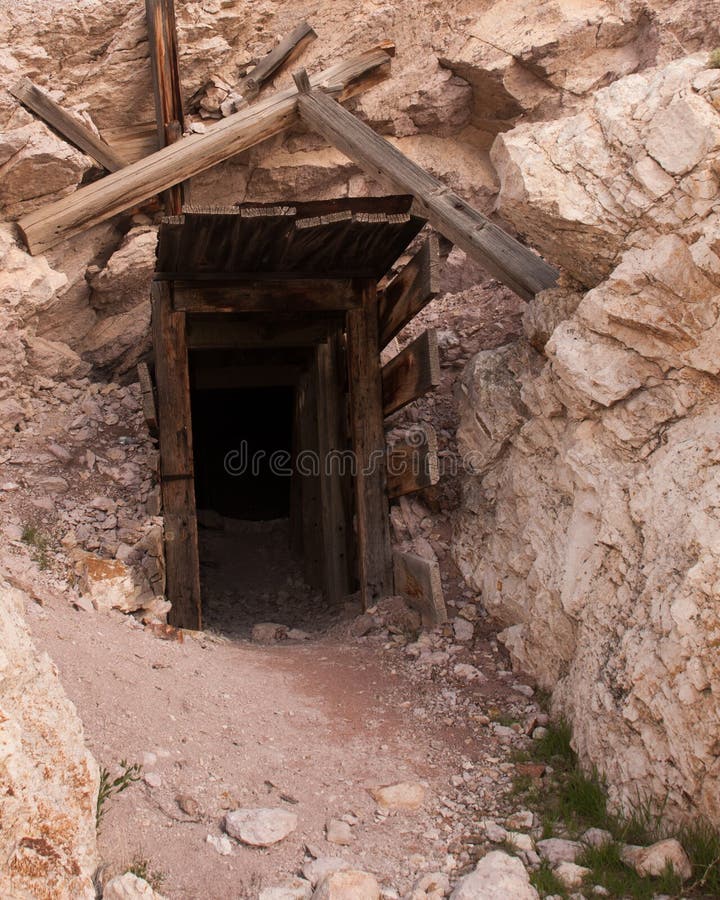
[268, 324]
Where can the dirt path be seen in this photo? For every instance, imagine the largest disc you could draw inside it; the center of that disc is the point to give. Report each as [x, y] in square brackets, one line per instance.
[308, 726]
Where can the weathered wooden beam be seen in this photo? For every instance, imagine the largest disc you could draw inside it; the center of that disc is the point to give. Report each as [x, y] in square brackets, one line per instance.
[176, 460]
[413, 464]
[162, 44]
[288, 47]
[147, 393]
[412, 373]
[219, 331]
[368, 439]
[301, 296]
[504, 258]
[69, 128]
[45, 227]
[418, 581]
[335, 516]
[409, 291]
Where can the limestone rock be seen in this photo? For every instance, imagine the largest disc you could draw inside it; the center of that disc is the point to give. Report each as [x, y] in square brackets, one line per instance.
[653, 860]
[269, 633]
[557, 850]
[109, 583]
[50, 781]
[129, 887]
[433, 886]
[123, 283]
[316, 870]
[571, 875]
[496, 877]
[260, 827]
[406, 795]
[348, 884]
[296, 889]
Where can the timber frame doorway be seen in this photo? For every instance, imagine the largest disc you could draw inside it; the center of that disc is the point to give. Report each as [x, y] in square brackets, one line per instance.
[295, 286]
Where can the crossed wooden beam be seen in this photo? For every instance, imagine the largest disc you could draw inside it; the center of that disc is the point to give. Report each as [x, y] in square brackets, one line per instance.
[316, 101]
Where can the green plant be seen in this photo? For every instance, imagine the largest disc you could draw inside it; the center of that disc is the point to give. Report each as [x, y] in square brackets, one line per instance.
[546, 882]
[714, 59]
[33, 537]
[609, 870]
[701, 841]
[110, 787]
[554, 746]
[140, 867]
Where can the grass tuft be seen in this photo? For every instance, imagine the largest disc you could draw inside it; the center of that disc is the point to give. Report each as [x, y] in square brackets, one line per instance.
[141, 868]
[546, 882]
[620, 880]
[701, 841]
[110, 787]
[33, 537]
[714, 59]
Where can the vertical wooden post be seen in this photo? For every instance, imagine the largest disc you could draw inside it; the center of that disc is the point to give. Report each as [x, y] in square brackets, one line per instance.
[368, 438]
[330, 440]
[162, 43]
[176, 459]
[309, 476]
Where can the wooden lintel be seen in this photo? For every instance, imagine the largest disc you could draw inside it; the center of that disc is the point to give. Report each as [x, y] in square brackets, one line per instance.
[162, 43]
[418, 581]
[412, 373]
[69, 127]
[413, 464]
[176, 460]
[409, 291]
[45, 227]
[220, 331]
[500, 254]
[297, 296]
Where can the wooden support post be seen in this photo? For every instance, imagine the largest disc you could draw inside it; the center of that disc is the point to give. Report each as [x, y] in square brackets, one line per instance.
[330, 447]
[162, 42]
[148, 398]
[409, 291]
[176, 460]
[505, 258]
[411, 373]
[309, 476]
[368, 439]
[418, 581]
[70, 128]
[45, 227]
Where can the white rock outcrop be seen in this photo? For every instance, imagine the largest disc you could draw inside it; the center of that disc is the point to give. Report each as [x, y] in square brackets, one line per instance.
[592, 525]
[49, 780]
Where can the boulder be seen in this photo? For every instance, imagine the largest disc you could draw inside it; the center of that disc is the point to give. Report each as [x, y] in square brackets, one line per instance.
[497, 876]
[50, 780]
[109, 584]
[260, 827]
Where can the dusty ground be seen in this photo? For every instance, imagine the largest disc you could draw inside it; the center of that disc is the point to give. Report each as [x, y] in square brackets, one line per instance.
[308, 725]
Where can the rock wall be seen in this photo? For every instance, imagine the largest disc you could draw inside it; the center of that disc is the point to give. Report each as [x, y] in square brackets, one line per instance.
[49, 780]
[592, 524]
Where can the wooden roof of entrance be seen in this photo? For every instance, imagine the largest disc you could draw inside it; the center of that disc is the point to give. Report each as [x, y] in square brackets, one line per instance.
[347, 238]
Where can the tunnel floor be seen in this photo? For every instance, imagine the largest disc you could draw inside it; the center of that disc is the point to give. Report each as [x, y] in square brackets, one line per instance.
[249, 576]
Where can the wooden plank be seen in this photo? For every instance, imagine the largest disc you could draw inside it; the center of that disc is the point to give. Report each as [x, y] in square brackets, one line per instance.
[290, 46]
[418, 581]
[176, 460]
[413, 464]
[132, 142]
[148, 398]
[409, 291]
[67, 126]
[221, 331]
[96, 202]
[297, 296]
[412, 373]
[335, 517]
[162, 44]
[504, 258]
[368, 440]
[310, 492]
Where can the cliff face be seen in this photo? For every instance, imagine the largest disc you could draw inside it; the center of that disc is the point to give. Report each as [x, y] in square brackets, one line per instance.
[590, 524]
[593, 528]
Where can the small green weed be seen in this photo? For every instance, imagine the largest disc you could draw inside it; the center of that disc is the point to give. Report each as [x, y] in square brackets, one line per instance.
[701, 841]
[620, 880]
[140, 867]
[109, 787]
[33, 537]
[546, 882]
[714, 59]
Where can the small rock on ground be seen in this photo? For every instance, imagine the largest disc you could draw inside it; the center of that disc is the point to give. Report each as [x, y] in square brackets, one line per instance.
[407, 795]
[570, 874]
[557, 850]
[260, 827]
[496, 877]
[349, 884]
[653, 860]
[319, 868]
[129, 887]
[296, 889]
[338, 832]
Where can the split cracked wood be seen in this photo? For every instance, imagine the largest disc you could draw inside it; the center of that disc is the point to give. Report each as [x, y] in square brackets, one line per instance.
[501, 255]
[411, 373]
[288, 47]
[409, 291]
[70, 128]
[51, 224]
